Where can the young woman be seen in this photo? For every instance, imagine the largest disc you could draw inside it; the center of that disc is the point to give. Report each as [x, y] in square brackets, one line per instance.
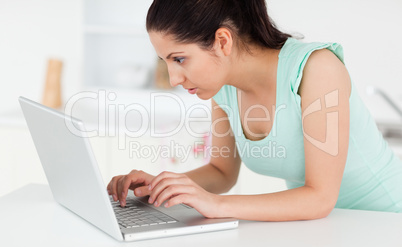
[267, 89]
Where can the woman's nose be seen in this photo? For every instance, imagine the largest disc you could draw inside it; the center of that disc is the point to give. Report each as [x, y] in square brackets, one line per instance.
[176, 78]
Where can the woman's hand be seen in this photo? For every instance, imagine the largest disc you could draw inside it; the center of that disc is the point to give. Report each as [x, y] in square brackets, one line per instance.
[137, 181]
[178, 188]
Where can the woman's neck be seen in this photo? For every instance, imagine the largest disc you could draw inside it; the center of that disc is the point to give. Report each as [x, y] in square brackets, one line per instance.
[254, 73]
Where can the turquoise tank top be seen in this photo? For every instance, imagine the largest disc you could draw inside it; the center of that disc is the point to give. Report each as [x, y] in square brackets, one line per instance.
[372, 178]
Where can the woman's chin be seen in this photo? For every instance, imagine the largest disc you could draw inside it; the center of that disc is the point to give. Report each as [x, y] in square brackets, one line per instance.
[202, 96]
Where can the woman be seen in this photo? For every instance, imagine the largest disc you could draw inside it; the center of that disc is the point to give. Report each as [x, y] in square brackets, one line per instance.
[268, 89]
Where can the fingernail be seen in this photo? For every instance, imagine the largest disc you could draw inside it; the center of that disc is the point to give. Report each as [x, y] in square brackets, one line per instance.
[114, 198]
[138, 192]
[156, 204]
[166, 205]
[150, 200]
[149, 187]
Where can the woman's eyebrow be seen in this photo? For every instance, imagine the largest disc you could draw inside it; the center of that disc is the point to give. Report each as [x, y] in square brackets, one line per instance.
[168, 57]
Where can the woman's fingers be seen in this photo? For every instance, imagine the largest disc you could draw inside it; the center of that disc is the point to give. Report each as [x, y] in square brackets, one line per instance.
[192, 195]
[161, 188]
[142, 191]
[112, 187]
[133, 179]
[171, 188]
[123, 185]
[173, 191]
[162, 176]
[179, 199]
[119, 185]
[162, 181]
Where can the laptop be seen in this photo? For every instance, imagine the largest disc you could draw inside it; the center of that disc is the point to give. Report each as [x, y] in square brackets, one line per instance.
[76, 183]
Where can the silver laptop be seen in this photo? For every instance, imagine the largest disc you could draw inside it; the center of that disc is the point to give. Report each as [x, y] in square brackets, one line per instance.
[76, 183]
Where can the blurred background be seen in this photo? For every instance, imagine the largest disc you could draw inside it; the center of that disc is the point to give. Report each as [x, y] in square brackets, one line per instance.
[104, 48]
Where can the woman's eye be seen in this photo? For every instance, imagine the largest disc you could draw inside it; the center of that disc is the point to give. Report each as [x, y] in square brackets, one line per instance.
[179, 59]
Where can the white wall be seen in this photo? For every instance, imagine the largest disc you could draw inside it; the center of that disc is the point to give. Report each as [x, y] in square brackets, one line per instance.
[370, 31]
[31, 31]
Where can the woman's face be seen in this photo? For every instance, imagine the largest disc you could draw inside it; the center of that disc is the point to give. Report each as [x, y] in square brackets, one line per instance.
[198, 71]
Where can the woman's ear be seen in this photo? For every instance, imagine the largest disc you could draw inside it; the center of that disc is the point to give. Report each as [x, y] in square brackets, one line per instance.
[223, 41]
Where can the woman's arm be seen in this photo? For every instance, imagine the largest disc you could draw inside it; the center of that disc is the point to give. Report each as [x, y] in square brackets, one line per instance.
[325, 91]
[218, 176]
[221, 174]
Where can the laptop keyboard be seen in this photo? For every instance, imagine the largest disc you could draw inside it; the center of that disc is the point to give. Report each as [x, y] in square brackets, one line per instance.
[136, 214]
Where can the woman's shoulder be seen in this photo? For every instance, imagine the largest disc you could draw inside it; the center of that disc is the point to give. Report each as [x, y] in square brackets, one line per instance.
[296, 53]
[296, 48]
[322, 73]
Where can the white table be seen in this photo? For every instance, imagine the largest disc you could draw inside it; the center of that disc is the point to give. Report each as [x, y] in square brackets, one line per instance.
[30, 217]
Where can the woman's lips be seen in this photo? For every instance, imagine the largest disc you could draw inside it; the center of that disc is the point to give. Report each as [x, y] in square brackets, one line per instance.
[192, 90]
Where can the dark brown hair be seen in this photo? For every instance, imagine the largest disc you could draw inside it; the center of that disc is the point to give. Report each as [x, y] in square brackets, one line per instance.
[196, 21]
